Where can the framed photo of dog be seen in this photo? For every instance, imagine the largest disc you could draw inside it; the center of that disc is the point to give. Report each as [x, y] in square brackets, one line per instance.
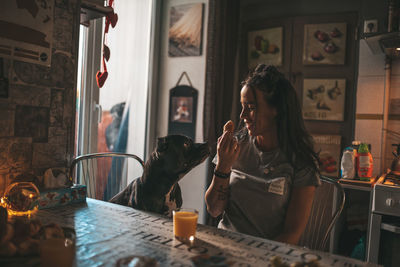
[182, 110]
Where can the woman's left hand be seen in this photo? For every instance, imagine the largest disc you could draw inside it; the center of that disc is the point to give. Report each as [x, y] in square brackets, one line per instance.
[227, 149]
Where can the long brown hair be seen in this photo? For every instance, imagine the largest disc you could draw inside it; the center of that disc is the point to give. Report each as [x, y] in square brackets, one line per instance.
[294, 140]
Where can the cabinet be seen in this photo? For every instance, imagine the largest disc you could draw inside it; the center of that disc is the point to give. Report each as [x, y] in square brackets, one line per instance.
[348, 237]
[298, 41]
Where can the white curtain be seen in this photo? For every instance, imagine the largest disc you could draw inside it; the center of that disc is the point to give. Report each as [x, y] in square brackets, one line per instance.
[128, 68]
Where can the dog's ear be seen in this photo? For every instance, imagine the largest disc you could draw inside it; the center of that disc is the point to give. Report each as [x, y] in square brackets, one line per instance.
[162, 145]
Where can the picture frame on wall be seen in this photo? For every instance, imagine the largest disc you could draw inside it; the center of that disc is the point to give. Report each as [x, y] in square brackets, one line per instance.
[265, 46]
[325, 44]
[329, 148]
[185, 30]
[324, 99]
[181, 109]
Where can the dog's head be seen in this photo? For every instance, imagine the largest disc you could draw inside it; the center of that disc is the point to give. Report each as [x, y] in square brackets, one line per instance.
[180, 154]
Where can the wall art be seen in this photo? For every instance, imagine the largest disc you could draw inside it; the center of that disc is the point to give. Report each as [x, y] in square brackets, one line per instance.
[323, 99]
[265, 46]
[185, 30]
[324, 44]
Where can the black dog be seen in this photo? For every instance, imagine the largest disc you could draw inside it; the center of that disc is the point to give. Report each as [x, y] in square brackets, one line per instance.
[158, 189]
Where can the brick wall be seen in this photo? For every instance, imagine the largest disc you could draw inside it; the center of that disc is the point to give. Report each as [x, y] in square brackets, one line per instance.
[37, 119]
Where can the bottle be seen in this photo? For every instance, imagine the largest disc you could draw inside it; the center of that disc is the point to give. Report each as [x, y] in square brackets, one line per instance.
[395, 166]
[365, 162]
[355, 145]
[347, 165]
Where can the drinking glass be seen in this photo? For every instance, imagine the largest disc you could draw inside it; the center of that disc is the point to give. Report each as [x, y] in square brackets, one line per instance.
[185, 223]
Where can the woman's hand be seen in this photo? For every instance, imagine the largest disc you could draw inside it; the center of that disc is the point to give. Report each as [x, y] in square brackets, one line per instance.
[227, 149]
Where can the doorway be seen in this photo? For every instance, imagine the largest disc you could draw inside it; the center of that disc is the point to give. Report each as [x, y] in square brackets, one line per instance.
[114, 118]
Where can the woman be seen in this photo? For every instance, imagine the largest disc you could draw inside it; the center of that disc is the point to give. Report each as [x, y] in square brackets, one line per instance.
[265, 175]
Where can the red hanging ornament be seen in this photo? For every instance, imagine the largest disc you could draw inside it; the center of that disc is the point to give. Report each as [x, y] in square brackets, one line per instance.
[106, 52]
[101, 77]
[111, 19]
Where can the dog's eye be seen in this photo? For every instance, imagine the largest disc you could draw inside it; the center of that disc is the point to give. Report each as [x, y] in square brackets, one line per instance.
[186, 144]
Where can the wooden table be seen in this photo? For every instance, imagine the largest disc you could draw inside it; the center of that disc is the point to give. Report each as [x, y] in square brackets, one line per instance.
[107, 232]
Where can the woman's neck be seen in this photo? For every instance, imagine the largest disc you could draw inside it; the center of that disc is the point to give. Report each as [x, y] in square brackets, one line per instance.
[267, 142]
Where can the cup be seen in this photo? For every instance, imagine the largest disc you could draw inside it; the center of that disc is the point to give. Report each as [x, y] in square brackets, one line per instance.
[57, 252]
[185, 223]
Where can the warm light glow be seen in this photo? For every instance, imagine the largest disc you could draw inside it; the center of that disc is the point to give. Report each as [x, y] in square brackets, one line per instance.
[191, 238]
[30, 195]
[22, 213]
[12, 212]
[398, 48]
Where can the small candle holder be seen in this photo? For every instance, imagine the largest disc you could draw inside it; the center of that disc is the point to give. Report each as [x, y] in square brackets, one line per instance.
[20, 198]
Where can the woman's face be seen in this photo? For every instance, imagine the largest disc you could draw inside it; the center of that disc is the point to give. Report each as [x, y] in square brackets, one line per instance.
[259, 117]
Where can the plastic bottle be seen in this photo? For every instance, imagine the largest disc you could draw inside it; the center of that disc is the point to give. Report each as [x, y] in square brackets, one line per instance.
[395, 166]
[355, 145]
[347, 165]
[365, 162]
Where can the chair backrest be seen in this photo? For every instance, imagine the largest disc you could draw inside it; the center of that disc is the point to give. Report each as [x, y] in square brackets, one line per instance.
[323, 215]
[105, 174]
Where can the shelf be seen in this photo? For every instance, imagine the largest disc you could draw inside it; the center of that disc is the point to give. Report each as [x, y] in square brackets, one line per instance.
[383, 43]
[357, 184]
[91, 11]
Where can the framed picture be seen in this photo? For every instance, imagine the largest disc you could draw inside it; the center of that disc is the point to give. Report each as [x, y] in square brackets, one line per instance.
[265, 46]
[328, 147]
[323, 99]
[181, 109]
[324, 44]
[185, 30]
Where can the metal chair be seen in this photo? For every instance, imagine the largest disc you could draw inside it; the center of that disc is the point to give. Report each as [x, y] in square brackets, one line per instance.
[323, 214]
[105, 174]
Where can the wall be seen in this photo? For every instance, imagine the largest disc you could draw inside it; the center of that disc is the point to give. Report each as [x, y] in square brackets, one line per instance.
[193, 184]
[370, 105]
[37, 122]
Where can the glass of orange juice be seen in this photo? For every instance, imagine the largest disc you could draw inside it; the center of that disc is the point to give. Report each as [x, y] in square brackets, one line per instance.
[185, 223]
[57, 252]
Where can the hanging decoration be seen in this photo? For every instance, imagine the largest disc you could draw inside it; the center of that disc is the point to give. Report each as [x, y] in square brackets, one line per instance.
[111, 19]
[183, 108]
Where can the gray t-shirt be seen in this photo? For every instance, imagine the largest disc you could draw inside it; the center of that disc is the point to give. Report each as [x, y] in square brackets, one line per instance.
[260, 187]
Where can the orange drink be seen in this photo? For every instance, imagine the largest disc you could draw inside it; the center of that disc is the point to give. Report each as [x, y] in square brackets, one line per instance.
[57, 252]
[185, 223]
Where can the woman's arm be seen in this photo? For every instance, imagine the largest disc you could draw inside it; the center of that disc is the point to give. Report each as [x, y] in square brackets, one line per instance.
[297, 214]
[217, 196]
[227, 152]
